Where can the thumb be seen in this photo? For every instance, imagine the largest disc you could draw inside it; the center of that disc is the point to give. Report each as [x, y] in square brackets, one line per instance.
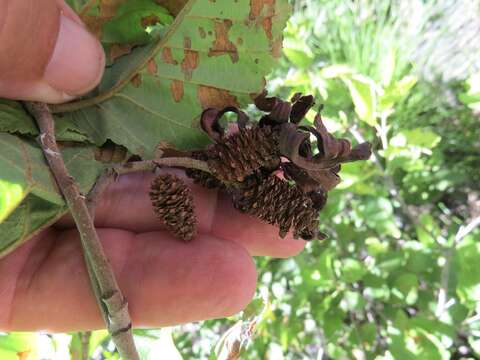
[46, 54]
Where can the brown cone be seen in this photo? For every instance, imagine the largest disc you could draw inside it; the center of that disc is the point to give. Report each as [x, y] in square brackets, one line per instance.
[234, 158]
[172, 201]
[201, 177]
[275, 201]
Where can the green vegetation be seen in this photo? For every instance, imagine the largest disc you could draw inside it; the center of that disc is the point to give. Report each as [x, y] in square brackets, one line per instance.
[399, 276]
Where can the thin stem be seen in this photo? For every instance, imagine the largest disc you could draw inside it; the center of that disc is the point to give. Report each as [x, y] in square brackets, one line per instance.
[150, 165]
[118, 321]
[85, 344]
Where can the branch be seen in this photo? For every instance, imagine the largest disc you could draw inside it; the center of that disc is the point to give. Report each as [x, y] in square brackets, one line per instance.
[119, 323]
[150, 165]
[100, 186]
[85, 344]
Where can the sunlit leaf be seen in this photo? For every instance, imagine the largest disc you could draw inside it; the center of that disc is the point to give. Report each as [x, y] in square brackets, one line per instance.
[362, 91]
[18, 346]
[29, 193]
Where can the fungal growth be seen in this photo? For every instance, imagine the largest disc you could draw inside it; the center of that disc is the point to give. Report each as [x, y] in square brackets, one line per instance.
[277, 169]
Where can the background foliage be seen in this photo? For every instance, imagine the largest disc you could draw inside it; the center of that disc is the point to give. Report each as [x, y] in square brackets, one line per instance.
[398, 278]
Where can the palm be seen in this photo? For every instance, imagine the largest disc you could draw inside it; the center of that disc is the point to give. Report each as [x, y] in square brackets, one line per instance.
[45, 283]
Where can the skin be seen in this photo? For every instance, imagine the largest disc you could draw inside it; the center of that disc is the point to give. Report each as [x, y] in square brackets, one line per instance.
[44, 284]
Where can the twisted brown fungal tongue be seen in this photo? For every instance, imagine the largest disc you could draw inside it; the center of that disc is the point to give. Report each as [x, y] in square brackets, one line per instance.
[317, 169]
[172, 201]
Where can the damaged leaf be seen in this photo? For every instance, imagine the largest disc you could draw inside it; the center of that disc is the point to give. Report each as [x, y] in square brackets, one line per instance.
[215, 54]
[134, 21]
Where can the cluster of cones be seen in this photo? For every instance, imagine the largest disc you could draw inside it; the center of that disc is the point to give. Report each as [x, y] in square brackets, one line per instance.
[276, 169]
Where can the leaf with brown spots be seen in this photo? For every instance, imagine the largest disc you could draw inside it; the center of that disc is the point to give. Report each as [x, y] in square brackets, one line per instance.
[215, 54]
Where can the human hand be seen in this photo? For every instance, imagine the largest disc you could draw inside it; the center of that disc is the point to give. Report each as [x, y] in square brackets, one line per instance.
[44, 284]
[46, 54]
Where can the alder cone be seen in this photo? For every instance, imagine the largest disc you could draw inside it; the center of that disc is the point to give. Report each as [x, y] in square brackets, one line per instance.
[275, 201]
[237, 156]
[203, 178]
[172, 201]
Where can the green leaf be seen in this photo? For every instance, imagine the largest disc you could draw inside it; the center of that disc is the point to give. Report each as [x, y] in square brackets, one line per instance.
[17, 346]
[388, 66]
[298, 57]
[14, 119]
[427, 230]
[215, 54]
[29, 197]
[133, 22]
[378, 214]
[407, 284]
[364, 97]
[422, 138]
[396, 92]
[472, 96]
[468, 287]
[352, 270]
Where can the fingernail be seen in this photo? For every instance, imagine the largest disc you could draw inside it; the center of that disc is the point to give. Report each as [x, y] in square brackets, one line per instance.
[77, 62]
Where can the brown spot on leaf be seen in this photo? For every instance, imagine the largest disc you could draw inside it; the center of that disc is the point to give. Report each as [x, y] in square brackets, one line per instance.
[239, 41]
[117, 50]
[176, 87]
[257, 7]
[261, 12]
[187, 42]
[202, 32]
[189, 63]
[24, 355]
[152, 67]
[173, 6]
[277, 48]
[107, 10]
[211, 97]
[167, 56]
[94, 24]
[149, 21]
[267, 27]
[136, 80]
[222, 44]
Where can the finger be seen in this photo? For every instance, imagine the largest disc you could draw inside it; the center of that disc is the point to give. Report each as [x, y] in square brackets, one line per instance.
[258, 237]
[45, 53]
[126, 205]
[166, 281]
